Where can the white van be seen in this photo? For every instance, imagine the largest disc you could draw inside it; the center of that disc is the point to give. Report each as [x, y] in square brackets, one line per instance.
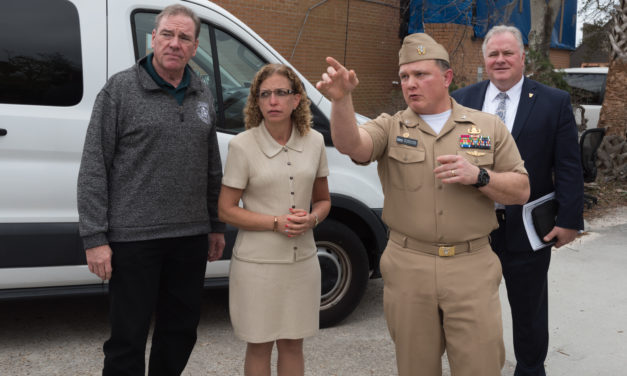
[56, 55]
[587, 89]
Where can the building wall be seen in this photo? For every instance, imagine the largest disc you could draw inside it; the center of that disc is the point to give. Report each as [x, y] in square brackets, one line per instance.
[464, 52]
[466, 55]
[362, 35]
[560, 58]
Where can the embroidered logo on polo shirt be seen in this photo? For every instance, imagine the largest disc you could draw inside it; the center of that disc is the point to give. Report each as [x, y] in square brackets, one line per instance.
[202, 110]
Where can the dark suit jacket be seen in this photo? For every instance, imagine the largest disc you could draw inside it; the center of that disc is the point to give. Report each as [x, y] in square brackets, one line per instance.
[546, 134]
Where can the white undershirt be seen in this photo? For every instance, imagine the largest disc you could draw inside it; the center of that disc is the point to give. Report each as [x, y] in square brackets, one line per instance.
[436, 121]
[490, 103]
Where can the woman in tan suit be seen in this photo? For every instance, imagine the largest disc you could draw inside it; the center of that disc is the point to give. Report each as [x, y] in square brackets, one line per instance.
[278, 168]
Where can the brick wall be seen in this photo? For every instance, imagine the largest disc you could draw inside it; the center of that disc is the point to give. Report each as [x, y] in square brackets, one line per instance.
[362, 35]
[464, 52]
[560, 58]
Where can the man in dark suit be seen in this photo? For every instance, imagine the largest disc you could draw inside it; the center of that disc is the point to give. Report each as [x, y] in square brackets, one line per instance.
[541, 121]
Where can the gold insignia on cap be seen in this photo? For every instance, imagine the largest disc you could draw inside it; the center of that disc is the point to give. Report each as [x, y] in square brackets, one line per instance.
[420, 46]
[405, 134]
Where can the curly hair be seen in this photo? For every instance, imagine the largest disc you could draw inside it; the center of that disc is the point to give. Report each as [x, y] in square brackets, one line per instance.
[301, 116]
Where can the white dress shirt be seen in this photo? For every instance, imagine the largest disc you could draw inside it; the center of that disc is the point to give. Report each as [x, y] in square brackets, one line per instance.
[490, 103]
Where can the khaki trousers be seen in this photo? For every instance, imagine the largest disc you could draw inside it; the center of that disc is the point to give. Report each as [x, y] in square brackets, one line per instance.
[433, 303]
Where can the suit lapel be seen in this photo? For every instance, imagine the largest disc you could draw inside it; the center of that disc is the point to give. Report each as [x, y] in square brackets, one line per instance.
[476, 101]
[527, 99]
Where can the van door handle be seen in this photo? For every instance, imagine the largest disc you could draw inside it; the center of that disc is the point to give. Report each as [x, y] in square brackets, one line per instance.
[3, 132]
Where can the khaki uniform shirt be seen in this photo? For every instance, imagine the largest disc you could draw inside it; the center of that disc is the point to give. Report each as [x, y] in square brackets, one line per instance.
[418, 204]
[274, 178]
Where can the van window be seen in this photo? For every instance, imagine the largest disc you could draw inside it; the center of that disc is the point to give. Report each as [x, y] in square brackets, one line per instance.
[235, 62]
[586, 88]
[238, 65]
[40, 53]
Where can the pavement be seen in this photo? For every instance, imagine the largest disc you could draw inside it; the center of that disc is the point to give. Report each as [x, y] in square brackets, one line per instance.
[587, 303]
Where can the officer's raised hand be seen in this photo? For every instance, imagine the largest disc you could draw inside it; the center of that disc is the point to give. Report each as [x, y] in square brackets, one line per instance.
[338, 82]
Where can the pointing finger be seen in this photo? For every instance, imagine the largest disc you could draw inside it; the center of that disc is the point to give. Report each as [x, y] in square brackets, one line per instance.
[334, 63]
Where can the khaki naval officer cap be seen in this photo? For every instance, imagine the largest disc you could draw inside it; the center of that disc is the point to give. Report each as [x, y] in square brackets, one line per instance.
[420, 46]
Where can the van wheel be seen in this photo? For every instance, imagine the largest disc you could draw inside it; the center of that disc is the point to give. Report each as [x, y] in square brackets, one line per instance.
[344, 267]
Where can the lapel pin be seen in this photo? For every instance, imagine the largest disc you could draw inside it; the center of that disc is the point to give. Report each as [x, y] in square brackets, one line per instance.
[530, 95]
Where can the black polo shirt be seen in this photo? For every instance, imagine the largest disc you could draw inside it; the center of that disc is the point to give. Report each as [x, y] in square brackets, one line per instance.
[177, 92]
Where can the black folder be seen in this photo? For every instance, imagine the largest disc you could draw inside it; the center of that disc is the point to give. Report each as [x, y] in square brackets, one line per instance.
[543, 217]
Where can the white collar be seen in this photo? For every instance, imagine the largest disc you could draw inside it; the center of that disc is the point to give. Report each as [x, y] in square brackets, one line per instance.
[513, 92]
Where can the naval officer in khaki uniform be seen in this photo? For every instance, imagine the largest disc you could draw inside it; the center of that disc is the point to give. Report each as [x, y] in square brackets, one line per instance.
[441, 166]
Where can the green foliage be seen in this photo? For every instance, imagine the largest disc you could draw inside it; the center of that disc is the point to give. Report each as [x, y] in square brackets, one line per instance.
[540, 68]
[596, 34]
[454, 86]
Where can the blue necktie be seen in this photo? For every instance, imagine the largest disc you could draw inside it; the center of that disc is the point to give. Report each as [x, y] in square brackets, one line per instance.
[501, 109]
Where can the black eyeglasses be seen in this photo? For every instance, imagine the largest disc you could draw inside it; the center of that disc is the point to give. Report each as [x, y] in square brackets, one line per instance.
[278, 92]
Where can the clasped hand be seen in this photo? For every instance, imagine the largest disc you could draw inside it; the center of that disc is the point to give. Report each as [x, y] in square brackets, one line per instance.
[296, 223]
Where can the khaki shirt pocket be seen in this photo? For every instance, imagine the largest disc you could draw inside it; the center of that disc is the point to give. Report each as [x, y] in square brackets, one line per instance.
[406, 168]
[484, 160]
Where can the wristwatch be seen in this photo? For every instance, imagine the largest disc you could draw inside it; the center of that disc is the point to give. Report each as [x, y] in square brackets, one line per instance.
[482, 179]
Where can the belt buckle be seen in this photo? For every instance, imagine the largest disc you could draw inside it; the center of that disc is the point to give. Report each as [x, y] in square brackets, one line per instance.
[445, 251]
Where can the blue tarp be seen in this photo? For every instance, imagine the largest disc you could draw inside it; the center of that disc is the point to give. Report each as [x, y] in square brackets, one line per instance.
[482, 15]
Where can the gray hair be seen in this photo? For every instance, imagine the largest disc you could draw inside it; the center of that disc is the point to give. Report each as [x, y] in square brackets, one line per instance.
[175, 10]
[443, 64]
[500, 29]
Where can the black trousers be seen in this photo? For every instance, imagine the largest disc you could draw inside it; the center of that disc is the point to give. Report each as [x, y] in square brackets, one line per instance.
[525, 275]
[164, 277]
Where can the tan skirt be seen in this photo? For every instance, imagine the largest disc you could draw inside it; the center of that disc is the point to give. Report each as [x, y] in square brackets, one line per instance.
[274, 301]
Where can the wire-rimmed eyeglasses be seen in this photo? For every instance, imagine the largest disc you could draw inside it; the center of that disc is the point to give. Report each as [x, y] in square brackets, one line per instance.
[278, 92]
